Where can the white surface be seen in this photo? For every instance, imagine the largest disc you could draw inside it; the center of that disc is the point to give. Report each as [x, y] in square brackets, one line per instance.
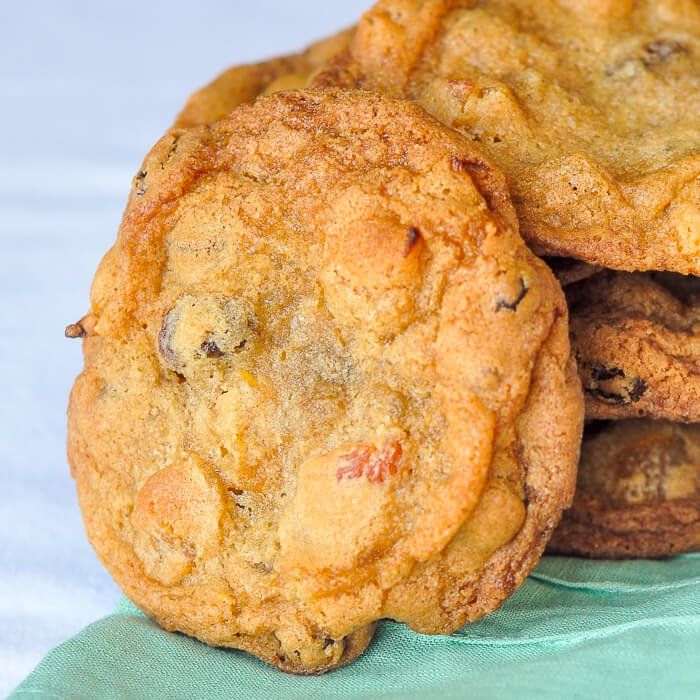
[86, 88]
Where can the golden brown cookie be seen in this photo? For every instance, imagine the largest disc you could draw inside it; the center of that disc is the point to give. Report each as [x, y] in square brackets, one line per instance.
[242, 84]
[637, 344]
[638, 492]
[293, 419]
[589, 106]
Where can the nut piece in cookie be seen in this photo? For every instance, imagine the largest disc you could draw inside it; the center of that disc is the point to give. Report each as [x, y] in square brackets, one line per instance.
[590, 108]
[637, 343]
[638, 492]
[326, 383]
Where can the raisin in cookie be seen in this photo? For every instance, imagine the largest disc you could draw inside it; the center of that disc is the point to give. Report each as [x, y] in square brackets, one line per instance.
[589, 106]
[242, 84]
[293, 419]
[637, 342]
[638, 492]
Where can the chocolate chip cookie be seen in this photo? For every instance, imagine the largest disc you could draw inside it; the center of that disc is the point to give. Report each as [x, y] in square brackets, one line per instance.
[637, 342]
[293, 418]
[589, 106]
[242, 84]
[638, 492]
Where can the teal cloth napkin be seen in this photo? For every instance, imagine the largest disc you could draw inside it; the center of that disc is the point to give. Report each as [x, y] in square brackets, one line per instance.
[576, 629]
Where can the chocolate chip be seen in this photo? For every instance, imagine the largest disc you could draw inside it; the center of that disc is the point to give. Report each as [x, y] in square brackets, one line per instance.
[638, 390]
[413, 238]
[211, 349]
[75, 330]
[661, 50]
[623, 390]
[513, 305]
[207, 327]
[140, 183]
[602, 373]
[654, 53]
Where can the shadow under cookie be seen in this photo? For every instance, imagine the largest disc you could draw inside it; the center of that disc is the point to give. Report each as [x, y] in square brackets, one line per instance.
[570, 271]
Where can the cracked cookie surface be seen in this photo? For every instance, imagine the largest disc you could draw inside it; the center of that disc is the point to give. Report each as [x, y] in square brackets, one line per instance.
[589, 106]
[241, 84]
[293, 418]
[638, 492]
[636, 337]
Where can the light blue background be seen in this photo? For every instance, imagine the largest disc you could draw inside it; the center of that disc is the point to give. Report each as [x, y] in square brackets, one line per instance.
[85, 90]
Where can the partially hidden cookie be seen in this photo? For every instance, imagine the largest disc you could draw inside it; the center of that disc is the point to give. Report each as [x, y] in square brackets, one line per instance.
[293, 418]
[637, 342]
[589, 106]
[638, 492]
[242, 84]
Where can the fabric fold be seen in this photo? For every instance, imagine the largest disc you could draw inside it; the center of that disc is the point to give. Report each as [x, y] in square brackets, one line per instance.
[575, 629]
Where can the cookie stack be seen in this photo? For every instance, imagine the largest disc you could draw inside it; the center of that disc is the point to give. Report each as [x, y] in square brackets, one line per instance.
[326, 380]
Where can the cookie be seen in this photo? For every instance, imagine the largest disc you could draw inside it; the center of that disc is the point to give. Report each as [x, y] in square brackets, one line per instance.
[293, 420]
[637, 344]
[589, 106]
[242, 84]
[638, 492]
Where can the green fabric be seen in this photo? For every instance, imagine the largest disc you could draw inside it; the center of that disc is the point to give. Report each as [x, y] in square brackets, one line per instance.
[576, 629]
